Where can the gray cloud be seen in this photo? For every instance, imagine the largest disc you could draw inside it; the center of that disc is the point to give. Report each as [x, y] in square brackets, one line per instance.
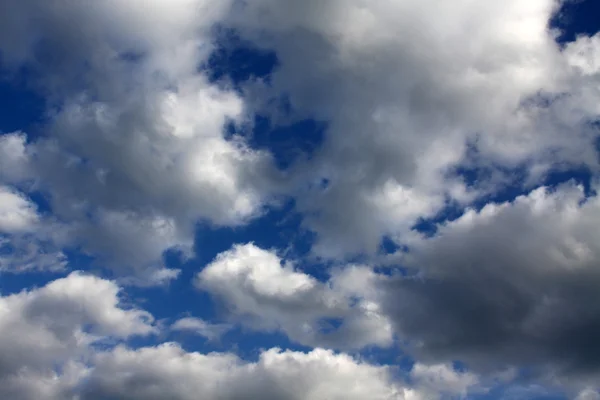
[512, 284]
[404, 90]
[134, 152]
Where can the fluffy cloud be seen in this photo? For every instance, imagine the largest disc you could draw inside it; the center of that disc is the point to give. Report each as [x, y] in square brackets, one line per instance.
[406, 92]
[320, 374]
[124, 373]
[46, 333]
[17, 214]
[514, 283]
[134, 152]
[57, 342]
[28, 241]
[28, 253]
[262, 291]
[441, 378]
[588, 394]
[200, 327]
[317, 375]
[14, 160]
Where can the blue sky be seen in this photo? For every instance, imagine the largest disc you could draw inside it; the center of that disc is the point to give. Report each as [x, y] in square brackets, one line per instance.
[402, 199]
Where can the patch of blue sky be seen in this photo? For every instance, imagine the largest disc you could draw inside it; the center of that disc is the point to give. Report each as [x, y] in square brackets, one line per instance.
[21, 107]
[577, 17]
[235, 61]
[513, 187]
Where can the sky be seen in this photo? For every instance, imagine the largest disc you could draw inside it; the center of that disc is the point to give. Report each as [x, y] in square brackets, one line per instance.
[304, 200]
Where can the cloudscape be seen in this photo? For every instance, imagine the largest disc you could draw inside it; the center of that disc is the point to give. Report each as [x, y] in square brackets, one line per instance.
[299, 199]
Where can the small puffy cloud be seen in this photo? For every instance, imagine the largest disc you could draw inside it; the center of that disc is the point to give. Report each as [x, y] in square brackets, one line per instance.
[200, 327]
[17, 213]
[14, 160]
[588, 394]
[260, 290]
[442, 378]
[28, 240]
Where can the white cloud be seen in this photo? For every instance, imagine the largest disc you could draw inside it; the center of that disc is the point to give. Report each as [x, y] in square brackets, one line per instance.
[17, 213]
[14, 160]
[443, 378]
[318, 375]
[404, 90]
[588, 394]
[53, 327]
[135, 155]
[200, 327]
[29, 242]
[263, 292]
[49, 350]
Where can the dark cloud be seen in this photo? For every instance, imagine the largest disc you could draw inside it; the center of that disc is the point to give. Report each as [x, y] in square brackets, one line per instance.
[514, 284]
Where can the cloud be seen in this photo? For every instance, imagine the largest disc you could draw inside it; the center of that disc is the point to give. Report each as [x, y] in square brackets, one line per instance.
[316, 375]
[588, 394]
[27, 254]
[14, 160]
[200, 327]
[319, 374]
[134, 150]
[406, 92]
[511, 284]
[55, 325]
[124, 373]
[17, 214]
[262, 291]
[443, 378]
[65, 341]
[28, 241]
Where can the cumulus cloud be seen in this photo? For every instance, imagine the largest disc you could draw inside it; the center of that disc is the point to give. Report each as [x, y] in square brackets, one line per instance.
[53, 327]
[260, 290]
[28, 241]
[17, 213]
[441, 378]
[58, 342]
[134, 152]
[406, 92]
[320, 374]
[513, 283]
[124, 373]
[176, 374]
[14, 160]
[588, 394]
[509, 285]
